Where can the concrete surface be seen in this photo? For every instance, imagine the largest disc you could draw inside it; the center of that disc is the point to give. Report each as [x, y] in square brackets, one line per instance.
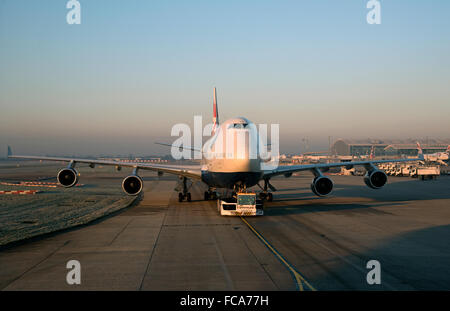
[161, 244]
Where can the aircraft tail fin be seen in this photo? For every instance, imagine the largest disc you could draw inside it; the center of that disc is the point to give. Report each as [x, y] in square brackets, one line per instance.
[419, 151]
[215, 113]
[9, 151]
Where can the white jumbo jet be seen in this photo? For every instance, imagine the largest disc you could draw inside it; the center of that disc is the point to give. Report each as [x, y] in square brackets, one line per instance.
[439, 157]
[235, 172]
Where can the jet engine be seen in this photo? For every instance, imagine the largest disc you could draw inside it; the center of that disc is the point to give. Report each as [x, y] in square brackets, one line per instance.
[321, 186]
[67, 177]
[375, 179]
[132, 185]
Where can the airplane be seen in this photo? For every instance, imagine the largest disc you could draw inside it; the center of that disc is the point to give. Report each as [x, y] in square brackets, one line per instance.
[439, 157]
[371, 155]
[236, 173]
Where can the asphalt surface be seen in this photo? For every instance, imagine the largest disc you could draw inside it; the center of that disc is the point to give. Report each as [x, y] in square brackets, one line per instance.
[301, 243]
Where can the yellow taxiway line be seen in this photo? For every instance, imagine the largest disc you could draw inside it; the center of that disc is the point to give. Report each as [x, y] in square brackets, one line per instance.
[299, 279]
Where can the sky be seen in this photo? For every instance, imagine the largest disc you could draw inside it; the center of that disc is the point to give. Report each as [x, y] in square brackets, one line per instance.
[120, 80]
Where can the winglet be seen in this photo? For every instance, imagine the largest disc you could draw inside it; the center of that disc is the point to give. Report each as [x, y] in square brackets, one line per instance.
[419, 151]
[9, 151]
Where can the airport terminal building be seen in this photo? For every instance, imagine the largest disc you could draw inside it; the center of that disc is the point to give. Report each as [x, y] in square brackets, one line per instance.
[345, 147]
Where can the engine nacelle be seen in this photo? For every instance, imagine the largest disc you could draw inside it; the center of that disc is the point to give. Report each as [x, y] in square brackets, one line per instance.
[132, 185]
[67, 177]
[321, 186]
[375, 179]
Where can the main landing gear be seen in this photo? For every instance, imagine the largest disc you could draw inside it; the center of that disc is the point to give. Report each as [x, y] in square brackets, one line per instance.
[185, 194]
[266, 195]
[210, 195]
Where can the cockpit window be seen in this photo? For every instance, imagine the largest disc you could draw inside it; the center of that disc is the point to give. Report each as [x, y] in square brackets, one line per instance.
[238, 125]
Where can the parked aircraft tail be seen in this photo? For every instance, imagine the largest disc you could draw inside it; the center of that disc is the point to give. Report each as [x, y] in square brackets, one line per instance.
[419, 151]
[372, 153]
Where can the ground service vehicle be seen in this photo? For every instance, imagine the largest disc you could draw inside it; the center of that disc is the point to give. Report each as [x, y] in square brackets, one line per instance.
[243, 204]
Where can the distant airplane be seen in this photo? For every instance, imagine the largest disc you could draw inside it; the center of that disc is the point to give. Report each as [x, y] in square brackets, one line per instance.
[233, 172]
[439, 157]
[312, 153]
[372, 153]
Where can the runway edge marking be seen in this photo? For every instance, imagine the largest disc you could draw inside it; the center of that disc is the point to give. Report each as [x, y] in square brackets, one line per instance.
[299, 279]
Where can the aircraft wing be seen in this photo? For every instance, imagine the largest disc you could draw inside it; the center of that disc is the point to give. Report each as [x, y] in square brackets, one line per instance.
[189, 171]
[288, 169]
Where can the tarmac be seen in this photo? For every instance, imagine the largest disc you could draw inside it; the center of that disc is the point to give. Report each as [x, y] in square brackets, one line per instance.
[301, 243]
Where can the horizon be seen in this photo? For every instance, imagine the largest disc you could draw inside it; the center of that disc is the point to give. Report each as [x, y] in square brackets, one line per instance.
[426, 141]
[120, 80]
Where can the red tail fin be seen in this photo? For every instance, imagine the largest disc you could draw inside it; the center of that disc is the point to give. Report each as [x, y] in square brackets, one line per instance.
[419, 150]
[215, 113]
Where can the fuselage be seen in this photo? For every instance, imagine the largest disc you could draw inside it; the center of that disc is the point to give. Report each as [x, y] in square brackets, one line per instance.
[231, 157]
[443, 156]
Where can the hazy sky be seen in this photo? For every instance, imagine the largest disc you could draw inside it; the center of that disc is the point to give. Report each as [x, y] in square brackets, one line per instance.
[132, 69]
